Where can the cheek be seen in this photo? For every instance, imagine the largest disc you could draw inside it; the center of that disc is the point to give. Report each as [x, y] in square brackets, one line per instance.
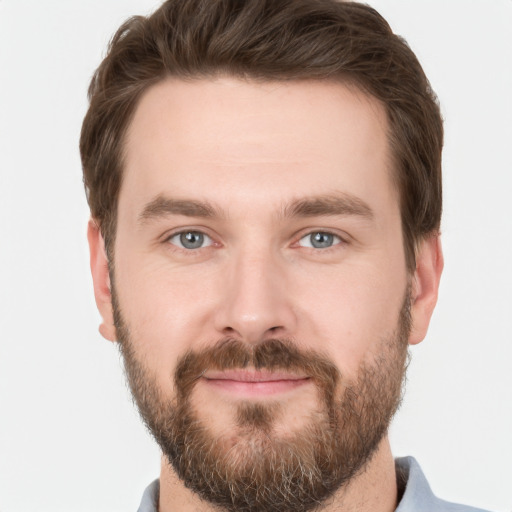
[163, 313]
[347, 312]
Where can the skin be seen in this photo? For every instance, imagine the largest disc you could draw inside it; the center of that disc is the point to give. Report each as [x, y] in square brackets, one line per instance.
[251, 151]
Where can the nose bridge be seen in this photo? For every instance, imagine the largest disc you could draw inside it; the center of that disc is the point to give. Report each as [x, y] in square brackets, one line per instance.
[255, 302]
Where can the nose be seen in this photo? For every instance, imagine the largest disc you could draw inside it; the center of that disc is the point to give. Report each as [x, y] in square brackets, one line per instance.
[255, 301]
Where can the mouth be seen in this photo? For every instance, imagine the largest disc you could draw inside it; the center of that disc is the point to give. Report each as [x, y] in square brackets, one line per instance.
[254, 383]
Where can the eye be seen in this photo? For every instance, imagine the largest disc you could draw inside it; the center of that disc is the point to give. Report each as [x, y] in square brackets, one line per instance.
[190, 240]
[319, 240]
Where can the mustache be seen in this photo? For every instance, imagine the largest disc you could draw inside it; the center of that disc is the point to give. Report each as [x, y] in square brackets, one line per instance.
[273, 354]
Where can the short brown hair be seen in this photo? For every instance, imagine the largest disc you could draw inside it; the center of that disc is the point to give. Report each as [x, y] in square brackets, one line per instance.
[268, 40]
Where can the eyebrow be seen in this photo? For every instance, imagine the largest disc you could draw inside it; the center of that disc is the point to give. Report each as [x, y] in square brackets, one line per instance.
[338, 204]
[162, 206]
[330, 205]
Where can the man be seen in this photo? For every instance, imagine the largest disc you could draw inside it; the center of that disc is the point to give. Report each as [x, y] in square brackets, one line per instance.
[265, 189]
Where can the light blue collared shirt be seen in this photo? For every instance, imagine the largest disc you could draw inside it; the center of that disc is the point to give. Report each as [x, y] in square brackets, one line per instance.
[417, 496]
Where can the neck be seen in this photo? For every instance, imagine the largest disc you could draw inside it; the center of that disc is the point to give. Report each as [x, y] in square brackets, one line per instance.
[373, 489]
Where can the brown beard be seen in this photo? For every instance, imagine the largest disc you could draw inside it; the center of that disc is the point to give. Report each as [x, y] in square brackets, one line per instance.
[251, 469]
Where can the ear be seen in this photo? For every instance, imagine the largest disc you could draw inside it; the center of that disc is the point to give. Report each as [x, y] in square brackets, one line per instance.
[425, 286]
[101, 280]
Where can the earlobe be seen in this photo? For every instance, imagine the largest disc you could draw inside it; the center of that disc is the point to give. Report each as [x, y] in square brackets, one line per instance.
[101, 280]
[425, 286]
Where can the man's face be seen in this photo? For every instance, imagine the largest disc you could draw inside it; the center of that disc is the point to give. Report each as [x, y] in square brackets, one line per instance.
[261, 290]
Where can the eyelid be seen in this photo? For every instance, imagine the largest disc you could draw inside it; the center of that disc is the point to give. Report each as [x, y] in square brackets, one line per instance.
[166, 239]
[342, 238]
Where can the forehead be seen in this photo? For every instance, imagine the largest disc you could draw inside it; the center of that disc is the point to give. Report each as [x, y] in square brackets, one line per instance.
[255, 141]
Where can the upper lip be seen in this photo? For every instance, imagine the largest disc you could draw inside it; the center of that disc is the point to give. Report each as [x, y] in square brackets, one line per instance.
[252, 375]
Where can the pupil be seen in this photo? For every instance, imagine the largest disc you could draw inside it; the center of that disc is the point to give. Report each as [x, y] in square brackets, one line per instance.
[191, 240]
[321, 240]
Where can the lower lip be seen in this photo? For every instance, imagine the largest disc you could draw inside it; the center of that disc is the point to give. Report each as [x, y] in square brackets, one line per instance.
[256, 389]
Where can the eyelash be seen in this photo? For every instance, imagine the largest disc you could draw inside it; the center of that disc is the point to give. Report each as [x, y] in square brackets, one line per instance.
[338, 240]
[169, 238]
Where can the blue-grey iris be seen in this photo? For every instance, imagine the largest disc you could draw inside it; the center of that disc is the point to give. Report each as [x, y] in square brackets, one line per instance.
[321, 240]
[192, 239]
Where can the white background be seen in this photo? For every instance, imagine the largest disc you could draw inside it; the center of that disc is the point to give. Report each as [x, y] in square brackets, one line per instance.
[70, 439]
